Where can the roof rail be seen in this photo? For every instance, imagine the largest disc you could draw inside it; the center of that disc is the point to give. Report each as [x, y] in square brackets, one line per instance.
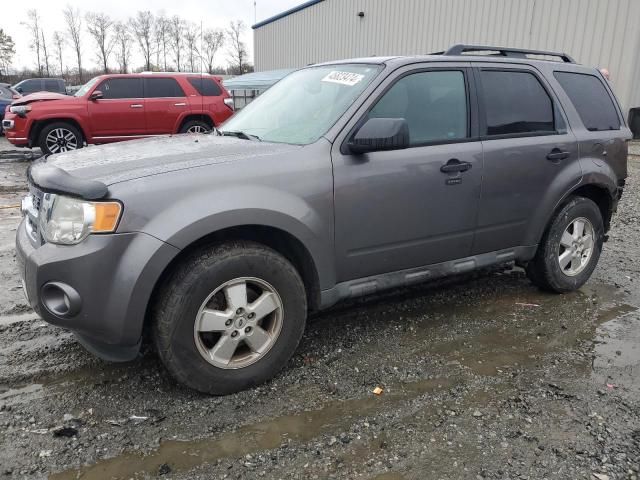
[505, 52]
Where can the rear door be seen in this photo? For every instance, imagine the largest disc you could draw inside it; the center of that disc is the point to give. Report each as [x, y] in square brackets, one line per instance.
[165, 103]
[527, 148]
[120, 113]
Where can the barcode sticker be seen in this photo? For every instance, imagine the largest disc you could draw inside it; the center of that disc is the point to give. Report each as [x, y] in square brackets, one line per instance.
[343, 78]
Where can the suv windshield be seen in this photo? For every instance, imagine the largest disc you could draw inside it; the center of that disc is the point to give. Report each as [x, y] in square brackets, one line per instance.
[86, 87]
[301, 107]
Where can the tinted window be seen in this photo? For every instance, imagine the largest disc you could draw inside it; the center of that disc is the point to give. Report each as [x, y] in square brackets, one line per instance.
[162, 87]
[205, 87]
[52, 86]
[591, 99]
[30, 86]
[515, 102]
[121, 88]
[434, 104]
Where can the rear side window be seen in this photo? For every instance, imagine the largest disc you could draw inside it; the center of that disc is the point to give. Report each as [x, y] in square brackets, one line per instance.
[515, 103]
[205, 86]
[162, 88]
[591, 99]
[113, 88]
[52, 86]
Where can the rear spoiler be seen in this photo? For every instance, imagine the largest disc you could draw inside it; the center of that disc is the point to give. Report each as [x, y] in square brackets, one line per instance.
[51, 179]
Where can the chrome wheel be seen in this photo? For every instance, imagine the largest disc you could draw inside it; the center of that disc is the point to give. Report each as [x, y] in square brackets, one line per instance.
[61, 140]
[576, 246]
[238, 323]
[197, 129]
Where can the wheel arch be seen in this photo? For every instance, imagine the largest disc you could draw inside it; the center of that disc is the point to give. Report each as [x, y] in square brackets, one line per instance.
[275, 238]
[203, 117]
[38, 125]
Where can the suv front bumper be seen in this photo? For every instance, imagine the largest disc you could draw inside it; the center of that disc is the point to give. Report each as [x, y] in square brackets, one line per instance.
[99, 288]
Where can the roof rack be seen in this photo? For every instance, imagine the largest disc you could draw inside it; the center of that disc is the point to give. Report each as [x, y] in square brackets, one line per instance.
[505, 52]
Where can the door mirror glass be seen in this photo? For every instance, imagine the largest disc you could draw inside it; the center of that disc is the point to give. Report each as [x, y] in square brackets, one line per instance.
[380, 134]
[96, 95]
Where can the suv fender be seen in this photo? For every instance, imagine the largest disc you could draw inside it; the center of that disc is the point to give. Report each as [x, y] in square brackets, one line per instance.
[594, 173]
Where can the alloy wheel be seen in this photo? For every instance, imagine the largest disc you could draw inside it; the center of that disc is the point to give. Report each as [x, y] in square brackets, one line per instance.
[238, 323]
[61, 140]
[197, 129]
[576, 246]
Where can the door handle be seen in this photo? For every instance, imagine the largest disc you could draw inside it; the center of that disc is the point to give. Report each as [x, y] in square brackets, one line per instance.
[455, 165]
[136, 105]
[557, 154]
[180, 104]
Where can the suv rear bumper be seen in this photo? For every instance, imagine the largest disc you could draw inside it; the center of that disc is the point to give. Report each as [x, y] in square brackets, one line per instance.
[99, 288]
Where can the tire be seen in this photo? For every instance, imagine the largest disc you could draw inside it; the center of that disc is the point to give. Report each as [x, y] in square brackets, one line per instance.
[68, 138]
[188, 354]
[195, 126]
[546, 270]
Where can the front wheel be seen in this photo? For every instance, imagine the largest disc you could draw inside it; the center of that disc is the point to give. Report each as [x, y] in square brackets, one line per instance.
[229, 317]
[59, 137]
[570, 247]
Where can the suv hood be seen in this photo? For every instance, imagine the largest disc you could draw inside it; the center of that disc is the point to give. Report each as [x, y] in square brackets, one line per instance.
[41, 97]
[120, 162]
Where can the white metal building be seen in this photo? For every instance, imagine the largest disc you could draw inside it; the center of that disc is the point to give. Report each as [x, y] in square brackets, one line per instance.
[602, 33]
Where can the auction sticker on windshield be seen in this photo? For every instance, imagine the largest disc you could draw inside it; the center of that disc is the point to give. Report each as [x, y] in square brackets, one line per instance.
[343, 78]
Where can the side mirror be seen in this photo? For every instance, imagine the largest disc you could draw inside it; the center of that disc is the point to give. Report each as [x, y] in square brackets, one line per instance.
[380, 134]
[96, 95]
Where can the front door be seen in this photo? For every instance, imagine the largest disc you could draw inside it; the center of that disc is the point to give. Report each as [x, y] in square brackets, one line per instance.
[527, 146]
[417, 206]
[120, 112]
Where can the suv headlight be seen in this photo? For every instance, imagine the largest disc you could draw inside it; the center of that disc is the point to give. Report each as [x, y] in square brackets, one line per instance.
[67, 220]
[20, 110]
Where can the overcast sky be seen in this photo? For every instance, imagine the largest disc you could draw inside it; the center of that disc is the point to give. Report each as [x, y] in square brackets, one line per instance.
[213, 14]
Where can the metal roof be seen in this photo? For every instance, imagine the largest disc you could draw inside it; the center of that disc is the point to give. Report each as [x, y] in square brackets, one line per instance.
[256, 80]
[302, 6]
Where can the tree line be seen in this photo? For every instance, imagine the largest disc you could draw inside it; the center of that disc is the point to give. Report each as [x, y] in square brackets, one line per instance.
[164, 44]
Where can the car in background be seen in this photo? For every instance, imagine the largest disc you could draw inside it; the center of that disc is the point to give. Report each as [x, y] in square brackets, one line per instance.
[33, 85]
[7, 95]
[113, 108]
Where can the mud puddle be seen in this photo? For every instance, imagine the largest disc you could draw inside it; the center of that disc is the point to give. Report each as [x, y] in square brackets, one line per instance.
[184, 455]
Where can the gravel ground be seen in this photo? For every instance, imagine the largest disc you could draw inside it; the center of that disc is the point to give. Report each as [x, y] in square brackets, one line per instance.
[483, 376]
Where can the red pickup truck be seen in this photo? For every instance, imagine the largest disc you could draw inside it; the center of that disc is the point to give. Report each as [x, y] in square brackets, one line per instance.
[112, 108]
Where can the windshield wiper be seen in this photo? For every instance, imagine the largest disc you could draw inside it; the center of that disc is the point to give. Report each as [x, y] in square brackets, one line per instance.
[239, 134]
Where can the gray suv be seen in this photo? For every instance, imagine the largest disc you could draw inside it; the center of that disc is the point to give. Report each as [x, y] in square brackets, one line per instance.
[343, 179]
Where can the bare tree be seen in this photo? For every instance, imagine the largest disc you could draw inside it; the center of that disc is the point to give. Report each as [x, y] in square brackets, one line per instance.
[7, 51]
[142, 28]
[212, 41]
[191, 37]
[45, 53]
[237, 49]
[58, 46]
[122, 45]
[177, 39]
[33, 25]
[161, 37]
[99, 26]
[73, 18]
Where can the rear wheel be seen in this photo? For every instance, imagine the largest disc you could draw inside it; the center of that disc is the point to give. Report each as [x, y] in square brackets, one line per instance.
[570, 248]
[59, 137]
[195, 126]
[230, 317]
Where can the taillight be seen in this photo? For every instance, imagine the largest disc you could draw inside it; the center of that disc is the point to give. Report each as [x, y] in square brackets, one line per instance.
[229, 103]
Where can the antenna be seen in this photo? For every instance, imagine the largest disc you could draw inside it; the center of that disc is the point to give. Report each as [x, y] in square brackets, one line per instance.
[255, 12]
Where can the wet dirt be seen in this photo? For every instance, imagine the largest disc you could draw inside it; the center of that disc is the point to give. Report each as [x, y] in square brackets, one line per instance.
[483, 376]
